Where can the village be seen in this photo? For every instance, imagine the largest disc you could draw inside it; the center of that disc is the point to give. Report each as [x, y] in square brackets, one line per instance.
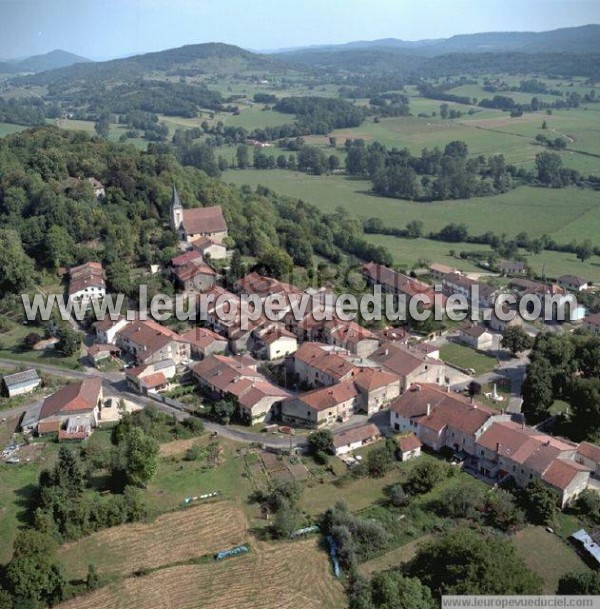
[295, 376]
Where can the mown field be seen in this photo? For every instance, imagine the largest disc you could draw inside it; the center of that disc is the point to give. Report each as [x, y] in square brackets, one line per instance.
[285, 575]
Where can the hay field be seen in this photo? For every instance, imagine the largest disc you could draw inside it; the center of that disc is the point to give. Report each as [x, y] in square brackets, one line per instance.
[290, 575]
[174, 537]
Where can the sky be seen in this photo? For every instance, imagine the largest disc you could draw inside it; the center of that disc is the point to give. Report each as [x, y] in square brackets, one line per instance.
[102, 29]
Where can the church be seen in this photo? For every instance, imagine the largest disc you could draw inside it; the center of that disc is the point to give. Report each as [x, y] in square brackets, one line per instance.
[197, 222]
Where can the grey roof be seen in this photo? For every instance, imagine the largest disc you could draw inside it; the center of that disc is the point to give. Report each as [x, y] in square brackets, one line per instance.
[31, 416]
[17, 378]
[588, 543]
[164, 363]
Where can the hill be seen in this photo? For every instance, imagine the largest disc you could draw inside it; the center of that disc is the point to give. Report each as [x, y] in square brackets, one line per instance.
[49, 61]
[191, 60]
[582, 39]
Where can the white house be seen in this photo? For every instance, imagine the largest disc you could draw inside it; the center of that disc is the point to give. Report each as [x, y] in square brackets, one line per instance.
[354, 438]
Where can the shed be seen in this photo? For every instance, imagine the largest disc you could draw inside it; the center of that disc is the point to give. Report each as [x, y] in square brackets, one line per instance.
[21, 382]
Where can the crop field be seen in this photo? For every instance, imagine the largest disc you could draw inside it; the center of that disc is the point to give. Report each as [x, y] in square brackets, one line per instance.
[290, 575]
[175, 537]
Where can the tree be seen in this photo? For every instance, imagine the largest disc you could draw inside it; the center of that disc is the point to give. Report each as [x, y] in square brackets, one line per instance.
[516, 340]
[474, 388]
[276, 262]
[69, 340]
[16, 267]
[501, 511]
[424, 476]
[59, 246]
[462, 502]
[465, 562]
[391, 590]
[588, 504]
[415, 229]
[320, 441]
[539, 502]
[537, 393]
[585, 401]
[102, 125]
[287, 520]
[379, 461]
[580, 583]
[584, 251]
[224, 410]
[92, 581]
[398, 496]
[242, 156]
[140, 457]
[548, 165]
[34, 573]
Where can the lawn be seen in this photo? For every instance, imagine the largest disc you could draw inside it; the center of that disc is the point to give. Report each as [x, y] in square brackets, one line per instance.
[550, 556]
[8, 128]
[466, 357]
[394, 558]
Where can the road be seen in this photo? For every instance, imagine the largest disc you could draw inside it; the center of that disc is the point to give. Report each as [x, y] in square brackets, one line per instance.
[114, 385]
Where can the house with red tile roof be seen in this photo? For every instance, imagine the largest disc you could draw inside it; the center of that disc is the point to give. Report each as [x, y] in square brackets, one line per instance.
[237, 378]
[149, 342]
[319, 365]
[592, 323]
[409, 447]
[353, 438]
[273, 341]
[588, 454]
[392, 282]
[74, 409]
[411, 364]
[210, 248]
[194, 276]
[151, 378]
[351, 336]
[204, 342]
[86, 283]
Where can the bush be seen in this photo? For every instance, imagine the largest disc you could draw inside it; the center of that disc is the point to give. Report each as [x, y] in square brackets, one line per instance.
[426, 475]
[398, 496]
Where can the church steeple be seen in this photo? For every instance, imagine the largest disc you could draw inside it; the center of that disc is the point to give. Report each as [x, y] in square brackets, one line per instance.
[176, 210]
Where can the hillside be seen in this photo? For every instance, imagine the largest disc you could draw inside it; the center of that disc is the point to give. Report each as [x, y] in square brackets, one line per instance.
[583, 39]
[191, 60]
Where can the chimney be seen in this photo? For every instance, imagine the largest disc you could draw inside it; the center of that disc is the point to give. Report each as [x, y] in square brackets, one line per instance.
[522, 423]
[428, 409]
[498, 447]
[386, 352]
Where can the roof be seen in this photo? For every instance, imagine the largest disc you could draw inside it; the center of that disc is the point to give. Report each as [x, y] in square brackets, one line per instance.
[348, 331]
[48, 426]
[148, 334]
[273, 333]
[589, 451]
[184, 259]
[593, 319]
[26, 376]
[254, 283]
[561, 473]
[192, 269]
[572, 280]
[198, 220]
[328, 397]
[467, 418]
[372, 378]
[76, 397]
[588, 543]
[97, 348]
[156, 379]
[474, 330]
[325, 359]
[512, 264]
[401, 359]
[204, 243]
[355, 434]
[399, 282]
[408, 443]
[95, 183]
[444, 269]
[259, 390]
[107, 323]
[201, 337]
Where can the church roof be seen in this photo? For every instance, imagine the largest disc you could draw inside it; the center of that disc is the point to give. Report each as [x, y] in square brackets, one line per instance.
[175, 202]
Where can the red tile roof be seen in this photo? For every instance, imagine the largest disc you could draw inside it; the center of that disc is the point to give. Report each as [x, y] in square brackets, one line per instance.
[408, 443]
[76, 397]
[401, 359]
[589, 451]
[151, 381]
[327, 360]
[48, 426]
[199, 220]
[355, 434]
[372, 378]
[561, 473]
[329, 397]
[186, 258]
[202, 337]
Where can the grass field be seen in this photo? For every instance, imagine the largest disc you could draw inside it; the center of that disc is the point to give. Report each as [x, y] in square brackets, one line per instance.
[290, 575]
[465, 357]
[394, 558]
[8, 128]
[548, 555]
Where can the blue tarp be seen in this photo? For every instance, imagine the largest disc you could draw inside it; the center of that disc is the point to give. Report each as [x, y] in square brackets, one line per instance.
[589, 545]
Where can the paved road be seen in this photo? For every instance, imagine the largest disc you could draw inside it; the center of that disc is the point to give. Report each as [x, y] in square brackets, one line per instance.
[114, 384]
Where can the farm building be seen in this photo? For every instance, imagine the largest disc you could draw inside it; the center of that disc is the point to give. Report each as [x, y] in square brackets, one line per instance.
[20, 383]
[573, 282]
[588, 545]
[409, 447]
[512, 267]
[354, 438]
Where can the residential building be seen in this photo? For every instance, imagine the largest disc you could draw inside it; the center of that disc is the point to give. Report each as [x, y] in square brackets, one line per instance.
[107, 328]
[149, 342]
[392, 282]
[20, 383]
[409, 447]
[98, 187]
[439, 271]
[573, 282]
[410, 364]
[350, 336]
[100, 352]
[210, 248]
[204, 342]
[347, 440]
[376, 388]
[321, 407]
[319, 365]
[512, 267]
[86, 283]
[73, 411]
[476, 336]
[193, 223]
[588, 454]
[151, 378]
[274, 342]
[237, 378]
[195, 276]
[592, 323]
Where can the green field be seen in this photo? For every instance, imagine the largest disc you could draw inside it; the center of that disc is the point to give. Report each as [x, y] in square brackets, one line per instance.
[8, 128]
[465, 357]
